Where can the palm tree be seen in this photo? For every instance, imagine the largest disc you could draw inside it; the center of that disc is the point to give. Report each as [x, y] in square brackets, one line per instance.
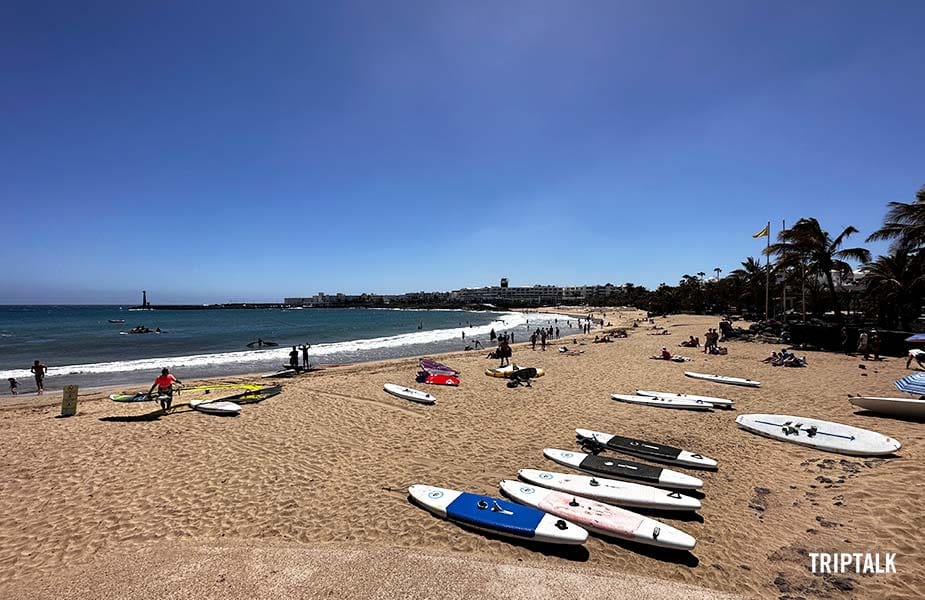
[717, 270]
[897, 283]
[701, 275]
[806, 243]
[904, 224]
[752, 274]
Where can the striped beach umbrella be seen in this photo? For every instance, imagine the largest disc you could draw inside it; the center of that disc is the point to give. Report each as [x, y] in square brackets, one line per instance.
[912, 384]
[918, 338]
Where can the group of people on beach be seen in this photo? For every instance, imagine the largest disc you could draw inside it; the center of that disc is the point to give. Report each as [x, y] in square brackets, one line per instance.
[785, 358]
[543, 335]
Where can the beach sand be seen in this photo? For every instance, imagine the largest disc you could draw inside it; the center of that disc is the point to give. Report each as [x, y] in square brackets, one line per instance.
[304, 495]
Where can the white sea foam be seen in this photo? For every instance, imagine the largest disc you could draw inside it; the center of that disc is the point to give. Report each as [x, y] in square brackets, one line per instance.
[280, 355]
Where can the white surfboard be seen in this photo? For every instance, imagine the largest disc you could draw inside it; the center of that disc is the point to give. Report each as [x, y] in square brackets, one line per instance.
[611, 491]
[407, 393]
[677, 403]
[900, 407]
[716, 402]
[216, 407]
[598, 517]
[647, 450]
[823, 435]
[497, 516]
[625, 470]
[724, 379]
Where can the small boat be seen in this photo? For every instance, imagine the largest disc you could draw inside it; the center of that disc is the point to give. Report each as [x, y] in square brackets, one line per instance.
[117, 321]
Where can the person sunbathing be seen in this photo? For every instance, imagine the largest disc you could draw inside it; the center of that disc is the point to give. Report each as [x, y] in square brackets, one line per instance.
[775, 357]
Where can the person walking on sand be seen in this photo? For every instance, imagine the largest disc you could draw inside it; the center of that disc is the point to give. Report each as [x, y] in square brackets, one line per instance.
[504, 353]
[533, 341]
[862, 345]
[305, 348]
[15, 384]
[164, 385]
[543, 340]
[874, 344]
[39, 369]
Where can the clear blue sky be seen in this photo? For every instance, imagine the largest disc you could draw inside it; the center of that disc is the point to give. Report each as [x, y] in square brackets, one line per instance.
[211, 151]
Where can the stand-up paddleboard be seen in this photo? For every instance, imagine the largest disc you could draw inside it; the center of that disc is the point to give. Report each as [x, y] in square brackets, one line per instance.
[497, 516]
[216, 407]
[283, 373]
[724, 379]
[623, 469]
[611, 491]
[407, 393]
[139, 397]
[899, 407]
[598, 517]
[822, 435]
[716, 402]
[507, 371]
[647, 450]
[677, 403]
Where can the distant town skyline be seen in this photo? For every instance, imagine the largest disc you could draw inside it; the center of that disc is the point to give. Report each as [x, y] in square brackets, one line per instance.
[210, 152]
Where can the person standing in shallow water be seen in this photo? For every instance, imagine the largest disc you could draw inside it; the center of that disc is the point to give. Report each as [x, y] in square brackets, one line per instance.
[294, 358]
[39, 369]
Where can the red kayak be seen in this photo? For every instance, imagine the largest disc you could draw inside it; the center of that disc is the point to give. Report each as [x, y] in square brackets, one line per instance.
[441, 379]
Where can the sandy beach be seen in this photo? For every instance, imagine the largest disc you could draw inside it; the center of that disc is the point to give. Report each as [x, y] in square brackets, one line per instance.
[304, 495]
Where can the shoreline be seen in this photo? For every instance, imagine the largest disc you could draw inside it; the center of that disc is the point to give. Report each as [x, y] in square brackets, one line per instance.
[140, 376]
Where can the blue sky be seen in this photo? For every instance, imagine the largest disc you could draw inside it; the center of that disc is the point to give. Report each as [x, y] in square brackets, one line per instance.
[212, 151]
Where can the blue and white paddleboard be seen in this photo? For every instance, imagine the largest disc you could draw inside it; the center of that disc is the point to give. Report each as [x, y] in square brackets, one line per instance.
[498, 516]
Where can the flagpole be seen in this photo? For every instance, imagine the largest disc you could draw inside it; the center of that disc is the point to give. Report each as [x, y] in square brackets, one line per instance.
[767, 278]
[783, 226]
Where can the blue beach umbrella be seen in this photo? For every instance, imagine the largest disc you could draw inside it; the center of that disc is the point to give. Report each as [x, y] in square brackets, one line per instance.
[912, 384]
[918, 338]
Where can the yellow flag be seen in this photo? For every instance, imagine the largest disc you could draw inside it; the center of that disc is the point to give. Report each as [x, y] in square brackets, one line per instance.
[764, 232]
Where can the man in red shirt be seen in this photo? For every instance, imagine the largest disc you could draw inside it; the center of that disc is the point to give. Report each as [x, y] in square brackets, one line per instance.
[164, 385]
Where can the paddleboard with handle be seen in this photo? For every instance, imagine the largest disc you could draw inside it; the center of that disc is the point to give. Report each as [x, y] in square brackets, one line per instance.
[675, 403]
[741, 381]
[498, 516]
[822, 435]
[623, 469]
[611, 491]
[407, 393]
[716, 402]
[216, 407]
[598, 517]
[647, 450]
[899, 407]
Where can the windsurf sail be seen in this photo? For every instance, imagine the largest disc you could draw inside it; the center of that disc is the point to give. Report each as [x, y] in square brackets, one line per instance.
[435, 368]
[224, 386]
